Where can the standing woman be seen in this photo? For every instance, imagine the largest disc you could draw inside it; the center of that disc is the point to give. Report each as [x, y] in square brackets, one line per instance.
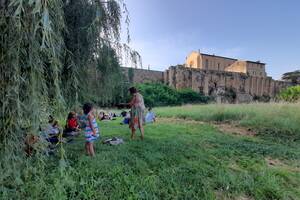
[137, 112]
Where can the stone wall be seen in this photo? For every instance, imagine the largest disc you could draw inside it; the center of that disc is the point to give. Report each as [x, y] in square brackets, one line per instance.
[216, 83]
[143, 75]
[210, 82]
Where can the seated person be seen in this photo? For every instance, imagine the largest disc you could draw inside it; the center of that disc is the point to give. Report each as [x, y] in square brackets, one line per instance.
[72, 126]
[126, 119]
[150, 116]
[112, 116]
[101, 116]
[106, 117]
[123, 113]
[52, 131]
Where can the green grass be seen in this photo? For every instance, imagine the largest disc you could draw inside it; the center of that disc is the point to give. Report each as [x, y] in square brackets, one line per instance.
[179, 159]
[276, 121]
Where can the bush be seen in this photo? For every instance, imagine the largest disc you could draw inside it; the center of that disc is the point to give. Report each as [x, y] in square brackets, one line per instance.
[265, 98]
[290, 94]
[156, 94]
[190, 96]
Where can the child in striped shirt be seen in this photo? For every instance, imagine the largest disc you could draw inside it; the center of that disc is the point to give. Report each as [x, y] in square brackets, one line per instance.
[91, 131]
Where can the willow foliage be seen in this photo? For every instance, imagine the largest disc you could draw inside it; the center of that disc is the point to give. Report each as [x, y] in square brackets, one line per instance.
[54, 54]
[93, 50]
[30, 61]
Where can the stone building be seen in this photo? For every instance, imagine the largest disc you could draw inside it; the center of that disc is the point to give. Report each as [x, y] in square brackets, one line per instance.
[218, 63]
[216, 76]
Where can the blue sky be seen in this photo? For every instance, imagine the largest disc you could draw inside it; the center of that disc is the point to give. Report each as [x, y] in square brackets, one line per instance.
[164, 32]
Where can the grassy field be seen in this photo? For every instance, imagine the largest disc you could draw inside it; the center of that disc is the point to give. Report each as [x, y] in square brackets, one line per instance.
[181, 158]
[279, 121]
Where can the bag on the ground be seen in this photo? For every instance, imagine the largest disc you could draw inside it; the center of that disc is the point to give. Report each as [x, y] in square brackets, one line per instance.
[114, 141]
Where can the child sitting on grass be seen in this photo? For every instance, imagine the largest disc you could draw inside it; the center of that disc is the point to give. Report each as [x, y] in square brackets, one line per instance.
[91, 129]
[126, 119]
[72, 126]
[52, 131]
[150, 116]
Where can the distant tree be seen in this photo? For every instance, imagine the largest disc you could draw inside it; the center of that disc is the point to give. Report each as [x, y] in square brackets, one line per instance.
[290, 94]
[294, 77]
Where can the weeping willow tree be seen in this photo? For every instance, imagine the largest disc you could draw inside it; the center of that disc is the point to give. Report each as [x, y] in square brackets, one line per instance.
[30, 60]
[54, 54]
[93, 50]
[31, 54]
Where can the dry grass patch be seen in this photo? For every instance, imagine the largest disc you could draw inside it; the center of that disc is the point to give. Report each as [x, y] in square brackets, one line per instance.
[280, 164]
[234, 129]
[221, 196]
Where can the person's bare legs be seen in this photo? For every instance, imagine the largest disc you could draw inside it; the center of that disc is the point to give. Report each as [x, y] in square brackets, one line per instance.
[132, 133]
[87, 149]
[142, 132]
[91, 147]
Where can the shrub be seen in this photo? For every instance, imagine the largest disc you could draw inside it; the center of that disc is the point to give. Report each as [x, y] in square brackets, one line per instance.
[290, 94]
[265, 98]
[157, 94]
[190, 96]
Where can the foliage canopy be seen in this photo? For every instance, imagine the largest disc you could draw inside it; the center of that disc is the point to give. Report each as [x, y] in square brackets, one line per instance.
[294, 76]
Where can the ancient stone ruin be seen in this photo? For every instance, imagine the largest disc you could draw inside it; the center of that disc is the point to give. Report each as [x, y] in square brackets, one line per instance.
[226, 79]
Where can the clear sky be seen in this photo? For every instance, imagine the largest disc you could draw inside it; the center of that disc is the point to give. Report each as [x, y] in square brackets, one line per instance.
[164, 32]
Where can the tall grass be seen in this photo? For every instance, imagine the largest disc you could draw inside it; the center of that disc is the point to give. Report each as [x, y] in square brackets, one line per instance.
[279, 120]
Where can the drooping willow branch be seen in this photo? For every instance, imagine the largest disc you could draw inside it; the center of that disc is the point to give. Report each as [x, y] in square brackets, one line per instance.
[56, 53]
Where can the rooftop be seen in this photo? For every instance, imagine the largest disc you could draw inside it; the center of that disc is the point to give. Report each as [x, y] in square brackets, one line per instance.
[256, 62]
[219, 56]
